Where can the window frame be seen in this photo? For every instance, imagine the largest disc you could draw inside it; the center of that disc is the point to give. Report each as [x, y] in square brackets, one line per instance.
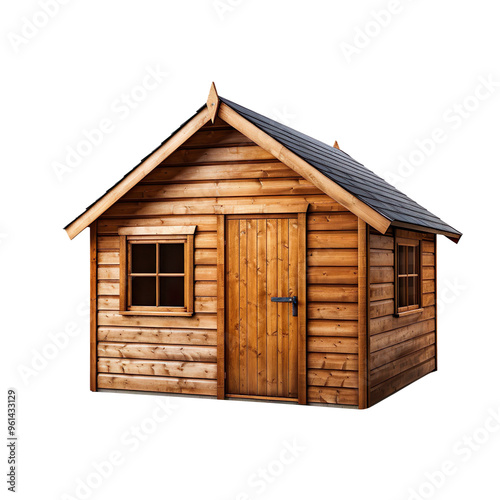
[156, 235]
[400, 243]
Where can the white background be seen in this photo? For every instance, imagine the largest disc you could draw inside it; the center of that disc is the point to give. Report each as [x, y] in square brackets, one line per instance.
[285, 59]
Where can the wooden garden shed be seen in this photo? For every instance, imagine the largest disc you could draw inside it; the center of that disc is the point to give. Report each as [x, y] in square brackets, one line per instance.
[243, 259]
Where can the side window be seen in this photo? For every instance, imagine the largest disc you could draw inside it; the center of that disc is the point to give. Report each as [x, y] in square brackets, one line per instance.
[156, 270]
[408, 275]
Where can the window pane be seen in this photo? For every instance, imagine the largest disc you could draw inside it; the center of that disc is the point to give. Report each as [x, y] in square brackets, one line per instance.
[144, 258]
[172, 291]
[172, 258]
[412, 291]
[412, 254]
[402, 259]
[402, 284]
[143, 290]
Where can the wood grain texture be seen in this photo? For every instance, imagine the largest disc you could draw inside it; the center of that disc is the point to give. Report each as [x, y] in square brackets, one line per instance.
[262, 306]
[157, 351]
[157, 384]
[237, 171]
[332, 310]
[329, 361]
[222, 188]
[217, 154]
[217, 205]
[203, 223]
[157, 336]
[332, 275]
[332, 344]
[203, 321]
[329, 328]
[232, 339]
[339, 258]
[331, 395]
[252, 307]
[180, 369]
[332, 378]
[332, 293]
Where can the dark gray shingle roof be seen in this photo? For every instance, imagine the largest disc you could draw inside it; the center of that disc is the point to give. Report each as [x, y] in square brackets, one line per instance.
[347, 173]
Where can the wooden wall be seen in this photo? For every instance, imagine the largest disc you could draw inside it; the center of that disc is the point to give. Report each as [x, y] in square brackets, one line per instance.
[219, 170]
[401, 349]
[332, 295]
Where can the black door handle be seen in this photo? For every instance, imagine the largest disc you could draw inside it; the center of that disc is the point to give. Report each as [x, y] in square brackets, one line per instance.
[294, 300]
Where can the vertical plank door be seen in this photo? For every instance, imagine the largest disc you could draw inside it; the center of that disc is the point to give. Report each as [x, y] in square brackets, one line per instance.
[261, 335]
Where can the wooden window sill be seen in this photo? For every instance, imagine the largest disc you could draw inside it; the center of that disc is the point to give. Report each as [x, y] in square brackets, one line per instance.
[408, 313]
[156, 313]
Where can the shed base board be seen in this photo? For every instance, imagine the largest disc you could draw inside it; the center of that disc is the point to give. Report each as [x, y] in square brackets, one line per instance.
[152, 393]
[330, 405]
[261, 399]
[229, 398]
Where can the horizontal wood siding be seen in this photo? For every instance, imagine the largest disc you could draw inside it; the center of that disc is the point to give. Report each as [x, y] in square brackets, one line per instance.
[157, 353]
[401, 349]
[218, 170]
[332, 308]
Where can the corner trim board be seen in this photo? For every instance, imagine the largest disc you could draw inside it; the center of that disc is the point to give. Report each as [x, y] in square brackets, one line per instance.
[93, 306]
[435, 292]
[363, 252]
[302, 293]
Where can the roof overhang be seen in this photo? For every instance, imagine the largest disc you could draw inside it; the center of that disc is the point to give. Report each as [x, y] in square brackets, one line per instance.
[455, 237]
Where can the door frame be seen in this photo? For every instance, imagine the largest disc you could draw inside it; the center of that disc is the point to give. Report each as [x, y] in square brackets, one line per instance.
[302, 294]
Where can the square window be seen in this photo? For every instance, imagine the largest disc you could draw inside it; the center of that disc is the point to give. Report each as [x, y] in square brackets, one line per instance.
[156, 271]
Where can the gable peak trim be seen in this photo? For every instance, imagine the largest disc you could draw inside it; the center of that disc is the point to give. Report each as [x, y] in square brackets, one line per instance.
[213, 102]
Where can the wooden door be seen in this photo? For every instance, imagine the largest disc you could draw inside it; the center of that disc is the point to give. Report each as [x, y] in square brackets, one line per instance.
[261, 343]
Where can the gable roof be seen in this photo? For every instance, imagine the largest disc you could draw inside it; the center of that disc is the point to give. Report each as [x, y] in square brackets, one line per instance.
[330, 169]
